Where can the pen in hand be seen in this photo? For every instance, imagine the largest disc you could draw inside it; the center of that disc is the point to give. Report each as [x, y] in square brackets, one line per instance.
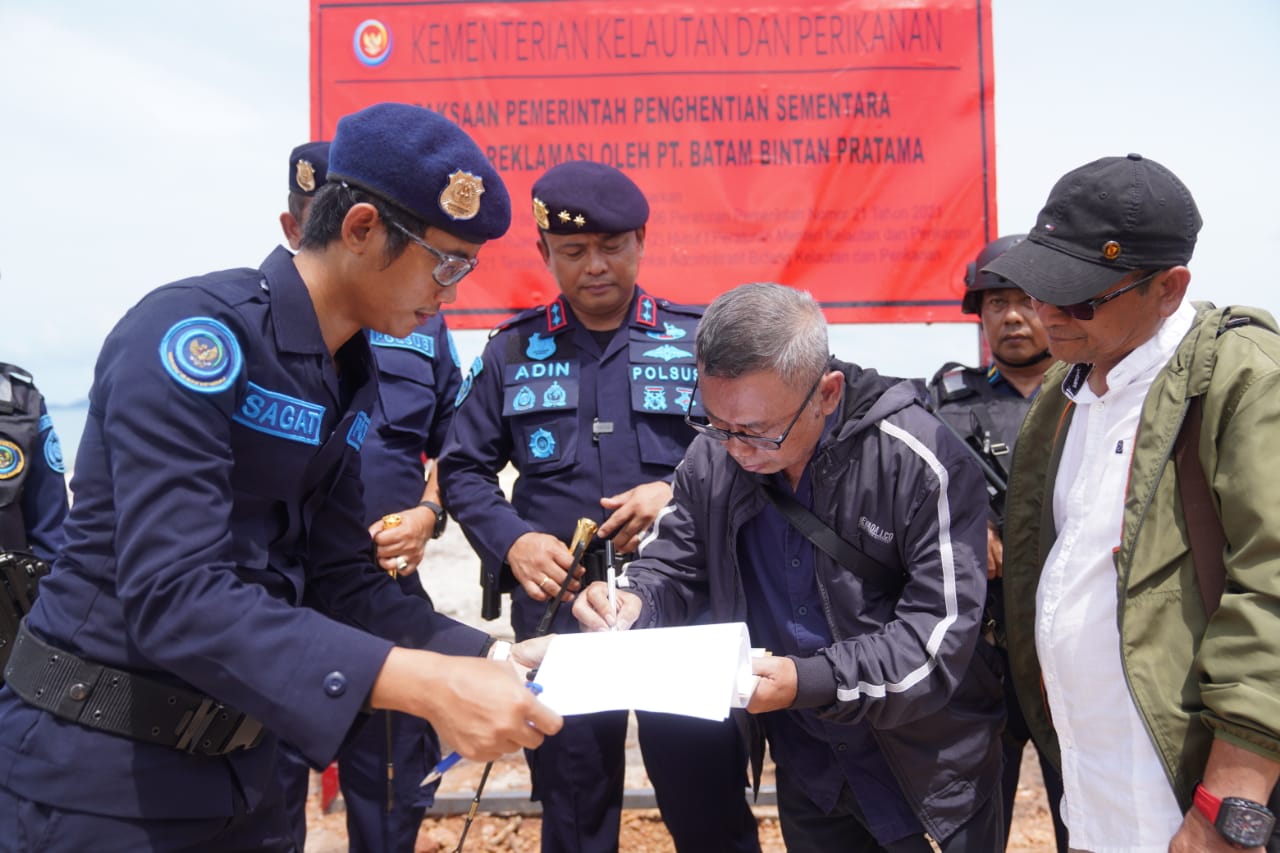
[454, 757]
[611, 578]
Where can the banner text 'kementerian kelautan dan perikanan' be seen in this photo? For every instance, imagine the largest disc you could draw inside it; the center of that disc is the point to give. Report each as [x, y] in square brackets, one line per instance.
[843, 148]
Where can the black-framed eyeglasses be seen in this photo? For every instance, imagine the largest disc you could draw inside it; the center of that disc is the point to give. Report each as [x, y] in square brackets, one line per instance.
[704, 426]
[1085, 310]
[450, 269]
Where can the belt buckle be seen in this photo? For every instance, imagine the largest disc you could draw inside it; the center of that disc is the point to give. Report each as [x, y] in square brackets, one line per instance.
[247, 735]
[190, 735]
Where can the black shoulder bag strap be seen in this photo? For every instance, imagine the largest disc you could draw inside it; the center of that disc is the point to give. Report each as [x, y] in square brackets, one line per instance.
[833, 544]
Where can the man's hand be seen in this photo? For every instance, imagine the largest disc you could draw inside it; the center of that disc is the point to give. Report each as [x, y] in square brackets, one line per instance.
[479, 706]
[633, 513]
[594, 614]
[540, 563]
[401, 547]
[995, 552]
[528, 655]
[777, 686]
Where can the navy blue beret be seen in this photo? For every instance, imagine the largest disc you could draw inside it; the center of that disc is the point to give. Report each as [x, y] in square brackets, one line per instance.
[308, 165]
[580, 196]
[422, 162]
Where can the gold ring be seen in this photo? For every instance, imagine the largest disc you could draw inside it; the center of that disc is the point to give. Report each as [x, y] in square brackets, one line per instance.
[542, 583]
[391, 520]
[401, 564]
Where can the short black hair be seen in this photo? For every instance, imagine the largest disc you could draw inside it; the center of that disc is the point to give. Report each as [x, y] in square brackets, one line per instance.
[330, 206]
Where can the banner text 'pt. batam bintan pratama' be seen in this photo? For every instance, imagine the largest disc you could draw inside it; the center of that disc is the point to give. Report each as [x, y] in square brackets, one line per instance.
[846, 149]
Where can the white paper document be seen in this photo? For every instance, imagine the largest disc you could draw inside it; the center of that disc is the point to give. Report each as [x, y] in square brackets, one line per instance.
[698, 671]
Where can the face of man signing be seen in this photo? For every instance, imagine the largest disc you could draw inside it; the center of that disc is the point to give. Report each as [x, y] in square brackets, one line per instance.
[763, 404]
[596, 273]
[1011, 326]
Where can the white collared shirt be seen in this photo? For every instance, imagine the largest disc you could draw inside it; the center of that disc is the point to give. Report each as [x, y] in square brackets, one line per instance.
[1118, 798]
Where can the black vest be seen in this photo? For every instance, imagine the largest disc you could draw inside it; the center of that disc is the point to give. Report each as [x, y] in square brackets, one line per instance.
[19, 431]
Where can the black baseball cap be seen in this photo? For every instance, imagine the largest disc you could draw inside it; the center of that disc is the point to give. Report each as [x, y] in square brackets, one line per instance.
[1103, 221]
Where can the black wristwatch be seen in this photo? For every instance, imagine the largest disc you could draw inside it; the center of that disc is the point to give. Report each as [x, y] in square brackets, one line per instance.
[442, 517]
[1241, 822]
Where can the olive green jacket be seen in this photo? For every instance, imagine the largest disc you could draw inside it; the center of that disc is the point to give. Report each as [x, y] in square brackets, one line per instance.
[1191, 679]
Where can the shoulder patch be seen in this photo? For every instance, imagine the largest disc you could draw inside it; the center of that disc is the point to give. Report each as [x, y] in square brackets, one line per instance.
[202, 354]
[53, 453]
[416, 342]
[476, 367]
[453, 349]
[12, 460]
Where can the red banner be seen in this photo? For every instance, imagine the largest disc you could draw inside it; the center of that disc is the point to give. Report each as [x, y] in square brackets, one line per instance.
[846, 149]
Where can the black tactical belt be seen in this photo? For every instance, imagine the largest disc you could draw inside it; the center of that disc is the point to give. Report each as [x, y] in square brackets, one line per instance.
[124, 703]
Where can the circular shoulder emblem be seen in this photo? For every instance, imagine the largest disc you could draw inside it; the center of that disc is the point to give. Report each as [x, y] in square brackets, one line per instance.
[53, 453]
[201, 354]
[11, 460]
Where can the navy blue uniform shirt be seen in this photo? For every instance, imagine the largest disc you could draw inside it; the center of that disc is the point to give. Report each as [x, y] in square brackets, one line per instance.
[216, 540]
[418, 380]
[579, 422]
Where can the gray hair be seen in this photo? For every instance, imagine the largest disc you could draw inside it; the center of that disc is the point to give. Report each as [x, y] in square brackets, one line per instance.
[763, 326]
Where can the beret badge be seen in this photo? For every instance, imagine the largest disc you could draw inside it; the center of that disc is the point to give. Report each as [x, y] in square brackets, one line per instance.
[461, 198]
[540, 214]
[305, 174]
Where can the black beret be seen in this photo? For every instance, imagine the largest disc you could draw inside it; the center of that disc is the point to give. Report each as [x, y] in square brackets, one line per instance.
[308, 165]
[1102, 221]
[582, 196]
[422, 162]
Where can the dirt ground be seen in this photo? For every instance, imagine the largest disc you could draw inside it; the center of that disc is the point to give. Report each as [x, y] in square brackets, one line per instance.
[642, 829]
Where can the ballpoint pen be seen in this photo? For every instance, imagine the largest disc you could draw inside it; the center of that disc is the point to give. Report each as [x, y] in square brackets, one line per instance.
[454, 757]
[611, 578]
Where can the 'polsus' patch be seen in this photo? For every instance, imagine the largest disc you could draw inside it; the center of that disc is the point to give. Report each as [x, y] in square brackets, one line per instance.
[202, 354]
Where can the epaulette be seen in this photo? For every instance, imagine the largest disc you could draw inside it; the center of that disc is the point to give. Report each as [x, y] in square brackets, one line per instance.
[518, 317]
[681, 308]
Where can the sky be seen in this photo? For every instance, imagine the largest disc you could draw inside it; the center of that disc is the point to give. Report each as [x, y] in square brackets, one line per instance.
[147, 140]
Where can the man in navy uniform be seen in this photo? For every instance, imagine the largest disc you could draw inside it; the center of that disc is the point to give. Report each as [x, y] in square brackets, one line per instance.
[985, 406]
[33, 488]
[585, 397]
[418, 379]
[218, 586]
